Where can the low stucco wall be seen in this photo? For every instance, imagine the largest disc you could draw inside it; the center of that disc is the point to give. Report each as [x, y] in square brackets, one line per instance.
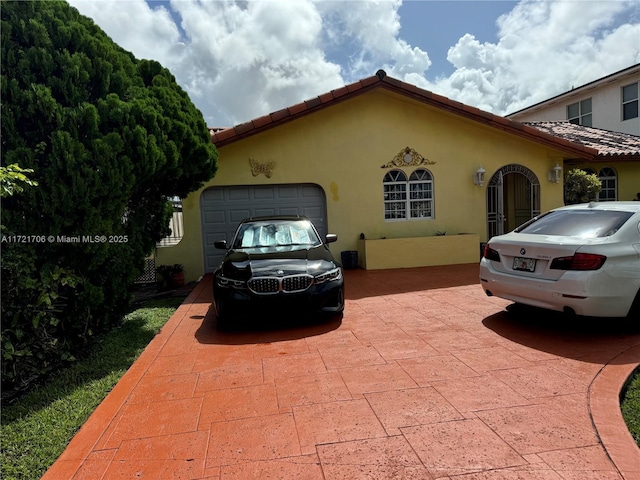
[419, 251]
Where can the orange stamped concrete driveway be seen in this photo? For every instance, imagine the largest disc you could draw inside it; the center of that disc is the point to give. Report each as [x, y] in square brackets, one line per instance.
[423, 377]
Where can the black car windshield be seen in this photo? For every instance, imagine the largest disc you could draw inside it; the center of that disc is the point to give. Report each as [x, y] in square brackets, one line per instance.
[577, 223]
[280, 233]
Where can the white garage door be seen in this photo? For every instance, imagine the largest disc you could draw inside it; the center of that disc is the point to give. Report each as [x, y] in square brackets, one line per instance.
[222, 208]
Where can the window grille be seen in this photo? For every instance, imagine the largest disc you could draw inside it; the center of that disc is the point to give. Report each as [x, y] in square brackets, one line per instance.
[408, 199]
[395, 195]
[609, 181]
[421, 194]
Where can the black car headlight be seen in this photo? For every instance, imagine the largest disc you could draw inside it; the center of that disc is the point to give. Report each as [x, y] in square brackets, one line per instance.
[229, 282]
[330, 276]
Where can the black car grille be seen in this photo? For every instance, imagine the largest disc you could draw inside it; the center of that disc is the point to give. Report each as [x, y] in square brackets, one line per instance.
[296, 283]
[264, 285]
[271, 285]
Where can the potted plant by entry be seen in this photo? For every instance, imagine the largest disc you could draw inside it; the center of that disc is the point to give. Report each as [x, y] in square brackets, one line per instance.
[176, 274]
[163, 277]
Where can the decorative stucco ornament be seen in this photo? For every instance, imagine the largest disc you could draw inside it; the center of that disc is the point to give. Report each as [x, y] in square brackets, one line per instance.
[408, 157]
[258, 167]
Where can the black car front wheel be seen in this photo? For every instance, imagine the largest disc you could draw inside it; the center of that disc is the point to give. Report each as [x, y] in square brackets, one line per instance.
[222, 312]
[341, 300]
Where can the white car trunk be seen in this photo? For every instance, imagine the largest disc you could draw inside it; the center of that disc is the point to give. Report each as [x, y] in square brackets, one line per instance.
[531, 255]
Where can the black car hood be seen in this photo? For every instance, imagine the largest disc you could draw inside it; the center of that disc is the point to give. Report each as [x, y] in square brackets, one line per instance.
[276, 261]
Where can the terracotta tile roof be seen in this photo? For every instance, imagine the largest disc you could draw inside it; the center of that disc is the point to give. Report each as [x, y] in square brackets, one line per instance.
[609, 144]
[381, 80]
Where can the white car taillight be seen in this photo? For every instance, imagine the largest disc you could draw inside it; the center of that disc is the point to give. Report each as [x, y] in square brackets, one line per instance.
[579, 261]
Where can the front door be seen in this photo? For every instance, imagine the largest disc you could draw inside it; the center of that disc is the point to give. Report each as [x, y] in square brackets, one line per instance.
[513, 198]
[495, 205]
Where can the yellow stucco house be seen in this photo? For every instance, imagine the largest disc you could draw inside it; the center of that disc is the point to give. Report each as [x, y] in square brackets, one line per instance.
[405, 177]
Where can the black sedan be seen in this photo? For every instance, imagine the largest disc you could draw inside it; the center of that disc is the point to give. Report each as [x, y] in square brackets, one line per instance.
[277, 265]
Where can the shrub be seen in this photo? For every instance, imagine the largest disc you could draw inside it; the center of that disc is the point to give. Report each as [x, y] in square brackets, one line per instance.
[107, 138]
[581, 187]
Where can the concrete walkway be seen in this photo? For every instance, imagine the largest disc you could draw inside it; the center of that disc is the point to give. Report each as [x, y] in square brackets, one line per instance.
[423, 377]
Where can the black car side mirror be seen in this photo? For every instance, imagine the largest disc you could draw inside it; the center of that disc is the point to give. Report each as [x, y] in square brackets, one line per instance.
[330, 238]
[221, 244]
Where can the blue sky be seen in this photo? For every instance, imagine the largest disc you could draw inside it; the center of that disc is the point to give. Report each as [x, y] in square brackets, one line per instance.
[239, 60]
[435, 26]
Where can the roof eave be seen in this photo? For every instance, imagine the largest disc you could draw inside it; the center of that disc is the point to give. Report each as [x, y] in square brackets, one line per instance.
[578, 90]
[299, 110]
[352, 90]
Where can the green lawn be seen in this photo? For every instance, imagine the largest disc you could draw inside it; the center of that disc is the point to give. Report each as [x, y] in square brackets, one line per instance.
[37, 427]
[631, 406]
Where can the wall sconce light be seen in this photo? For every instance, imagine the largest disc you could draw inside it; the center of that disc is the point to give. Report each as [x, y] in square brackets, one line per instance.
[555, 175]
[478, 177]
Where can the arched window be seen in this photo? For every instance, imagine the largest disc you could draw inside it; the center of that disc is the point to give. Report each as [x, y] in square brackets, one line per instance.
[408, 199]
[421, 194]
[395, 195]
[609, 180]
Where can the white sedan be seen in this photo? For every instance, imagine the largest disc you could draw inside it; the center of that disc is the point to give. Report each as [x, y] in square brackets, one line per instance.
[582, 259]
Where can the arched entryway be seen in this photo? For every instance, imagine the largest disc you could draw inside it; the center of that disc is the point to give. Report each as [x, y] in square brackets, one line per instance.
[513, 197]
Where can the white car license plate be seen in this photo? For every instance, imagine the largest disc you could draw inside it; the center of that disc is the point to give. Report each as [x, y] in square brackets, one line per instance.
[525, 264]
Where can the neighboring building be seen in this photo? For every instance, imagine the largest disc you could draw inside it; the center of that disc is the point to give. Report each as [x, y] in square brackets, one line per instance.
[609, 103]
[387, 166]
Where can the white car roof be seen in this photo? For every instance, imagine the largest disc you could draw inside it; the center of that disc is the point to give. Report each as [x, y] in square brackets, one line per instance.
[620, 206]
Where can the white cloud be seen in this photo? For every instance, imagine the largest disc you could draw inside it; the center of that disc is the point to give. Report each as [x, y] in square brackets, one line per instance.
[372, 28]
[545, 48]
[247, 60]
[133, 25]
[242, 59]
[236, 60]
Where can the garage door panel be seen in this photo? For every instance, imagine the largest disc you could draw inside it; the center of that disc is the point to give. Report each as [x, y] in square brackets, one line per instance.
[238, 193]
[289, 211]
[212, 259]
[212, 194]
[222, 208]
[215, 216]
[264, 194]
[262, 212]
[237, 215]
[309, 192]
[313, 212]
[289, 192]
[212, 238]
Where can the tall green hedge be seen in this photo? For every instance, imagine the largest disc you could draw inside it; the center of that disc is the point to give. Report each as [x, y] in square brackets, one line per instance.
[109, 138]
